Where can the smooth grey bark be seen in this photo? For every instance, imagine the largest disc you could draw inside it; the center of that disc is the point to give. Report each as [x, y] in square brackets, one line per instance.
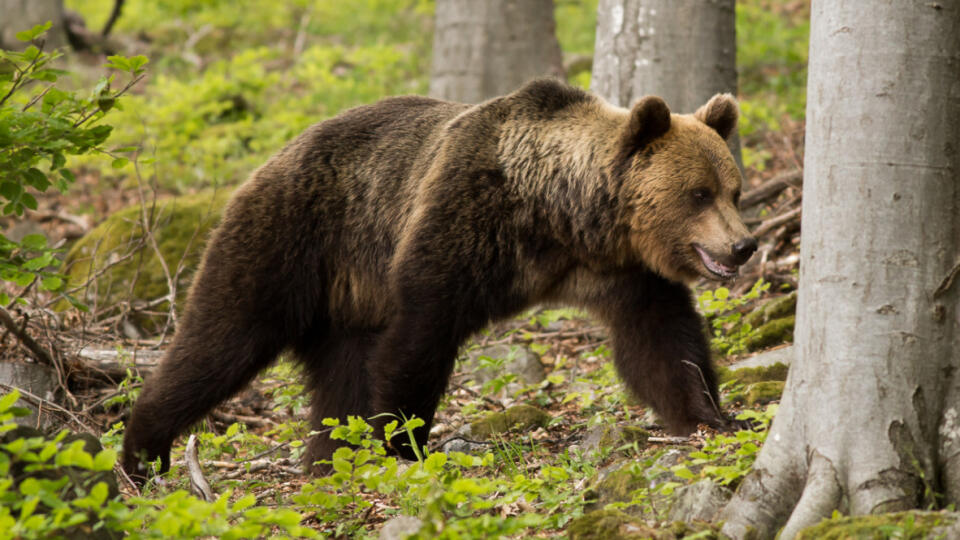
[869, 420]
[19, 15]
[487, 48]
[684, 51]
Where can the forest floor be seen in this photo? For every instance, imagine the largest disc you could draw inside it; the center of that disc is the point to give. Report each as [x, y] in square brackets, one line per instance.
[536, 435]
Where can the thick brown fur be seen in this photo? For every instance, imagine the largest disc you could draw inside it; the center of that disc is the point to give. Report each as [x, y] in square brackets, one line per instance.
[377, 242]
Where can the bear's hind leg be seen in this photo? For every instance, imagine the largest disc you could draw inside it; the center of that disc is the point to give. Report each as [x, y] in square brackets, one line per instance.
[336, 369]
[211, 359]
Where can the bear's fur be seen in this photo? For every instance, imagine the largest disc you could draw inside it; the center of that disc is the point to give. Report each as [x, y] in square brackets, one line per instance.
[377, 242]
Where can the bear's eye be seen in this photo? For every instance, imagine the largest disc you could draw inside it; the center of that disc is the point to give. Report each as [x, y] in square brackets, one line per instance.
[702, 196]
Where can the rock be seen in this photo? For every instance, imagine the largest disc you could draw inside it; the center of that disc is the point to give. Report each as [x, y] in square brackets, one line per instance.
[701, 501]
[782, 355]
[487, 363]
[616, 484]
[910, 524]
[613, 437]
[772, 333]
[759, 393]
[775, 308]
[463, 446]
[400, 527]
[776, 372]
[613, 525]
[181, 229]
[520, 417]
[37, 379]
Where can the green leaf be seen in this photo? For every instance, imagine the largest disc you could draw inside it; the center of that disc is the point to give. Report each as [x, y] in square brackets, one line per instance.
[104, 460]
[119, 62]
[8, 400]
[105, 103]
[34, 33]
[29, 201]
[34, 241]
[67, 175]
[120, 163]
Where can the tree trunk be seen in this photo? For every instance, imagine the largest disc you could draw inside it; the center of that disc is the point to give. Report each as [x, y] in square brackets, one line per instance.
[487, 48]
[870, 419]
[684, 51]
[19, 15]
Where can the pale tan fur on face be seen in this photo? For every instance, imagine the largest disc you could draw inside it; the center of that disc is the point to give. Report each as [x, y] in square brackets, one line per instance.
[664, 221]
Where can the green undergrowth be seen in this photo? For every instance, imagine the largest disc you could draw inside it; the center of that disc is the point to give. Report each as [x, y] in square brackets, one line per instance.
[525, 479]
[912, 525]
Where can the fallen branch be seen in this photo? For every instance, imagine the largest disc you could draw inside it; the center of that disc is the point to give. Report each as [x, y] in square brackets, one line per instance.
[114, 365]
[771, 188]
[198, 484]
[21, 334]
[39, 402]
[777, 221]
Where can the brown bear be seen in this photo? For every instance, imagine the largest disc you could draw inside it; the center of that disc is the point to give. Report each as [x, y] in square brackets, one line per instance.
[377, 242]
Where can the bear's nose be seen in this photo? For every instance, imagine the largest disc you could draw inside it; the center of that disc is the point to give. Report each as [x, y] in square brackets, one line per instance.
[743, 249]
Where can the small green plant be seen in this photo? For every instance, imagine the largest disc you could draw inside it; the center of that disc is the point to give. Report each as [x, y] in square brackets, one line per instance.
[40, 126]
[129, 388]
[730, 335]
[726, 459]
[53, 487]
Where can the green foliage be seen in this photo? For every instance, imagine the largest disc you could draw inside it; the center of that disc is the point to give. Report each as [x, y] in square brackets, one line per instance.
[726, 459]
[45, 494]
[772, 43]
[730, 336]
[40, 126]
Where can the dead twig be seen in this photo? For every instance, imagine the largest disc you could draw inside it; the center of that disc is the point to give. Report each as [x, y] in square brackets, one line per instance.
[39, 401]
[36, 350]
[198, 484]
[777, 221]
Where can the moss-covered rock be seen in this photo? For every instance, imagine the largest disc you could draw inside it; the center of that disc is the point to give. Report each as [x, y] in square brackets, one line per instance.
[613, 525]
[772, 333]
[759, 393]
[617, 525]
[912, 525]
[776, 308]
[775, 372]
[521, 417]
[613, 437]
[180, 227]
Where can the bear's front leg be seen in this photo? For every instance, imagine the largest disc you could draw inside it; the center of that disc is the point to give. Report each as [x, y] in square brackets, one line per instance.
[661, 352]
[409, 372]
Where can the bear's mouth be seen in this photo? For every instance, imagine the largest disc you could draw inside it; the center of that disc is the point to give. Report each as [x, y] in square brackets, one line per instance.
[714, 266]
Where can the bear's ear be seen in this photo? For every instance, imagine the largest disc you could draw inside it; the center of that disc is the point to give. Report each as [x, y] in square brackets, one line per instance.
[720, 113]
[649, 119]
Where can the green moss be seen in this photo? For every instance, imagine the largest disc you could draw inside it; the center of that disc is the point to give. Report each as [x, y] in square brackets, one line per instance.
[775, 372]
[759, 393]
[520, 417]
[903, 525]
[772, 333]
[776, 308]
[613, 525]
[617, 436]
[181, 226]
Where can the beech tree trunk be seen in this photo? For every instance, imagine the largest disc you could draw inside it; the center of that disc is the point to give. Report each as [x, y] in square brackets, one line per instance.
[487, 48]
[684, 51]
[19, 15]
[870, 419]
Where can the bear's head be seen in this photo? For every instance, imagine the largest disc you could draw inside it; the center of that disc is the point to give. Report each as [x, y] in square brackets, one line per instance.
[681, 189]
